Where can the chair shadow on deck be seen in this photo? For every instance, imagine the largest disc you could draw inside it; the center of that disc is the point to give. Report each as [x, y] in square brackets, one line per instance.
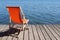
[9, 32]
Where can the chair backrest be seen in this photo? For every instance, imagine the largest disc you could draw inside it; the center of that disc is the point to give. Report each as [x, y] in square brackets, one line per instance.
[15, 14]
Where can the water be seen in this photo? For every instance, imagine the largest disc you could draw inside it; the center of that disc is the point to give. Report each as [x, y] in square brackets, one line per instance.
[37, 11]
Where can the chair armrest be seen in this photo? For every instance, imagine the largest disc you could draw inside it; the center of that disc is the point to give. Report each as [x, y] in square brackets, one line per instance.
[23, 15]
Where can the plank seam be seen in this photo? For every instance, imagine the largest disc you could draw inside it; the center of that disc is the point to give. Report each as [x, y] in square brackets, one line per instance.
[33, 32]
[51, 33]
[37, 32]
[46, 32]
[42, 33]
[54, 30]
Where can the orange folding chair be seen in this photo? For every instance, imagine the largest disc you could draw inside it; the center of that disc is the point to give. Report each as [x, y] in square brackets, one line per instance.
[17, 17]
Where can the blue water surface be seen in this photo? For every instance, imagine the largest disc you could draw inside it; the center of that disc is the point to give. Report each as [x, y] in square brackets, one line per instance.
[37, 11]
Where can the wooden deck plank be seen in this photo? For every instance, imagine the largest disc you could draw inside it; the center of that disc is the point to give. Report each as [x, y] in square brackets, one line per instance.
[26, 35]
[0, 38]
[41, 37]
[35, 33]
[57, 37]
[30, 33]
[21, 35]
[4, 38]
[58, 25]
[56, 31]
[3, 29]
[14, 38]
[49, 33]
[45, 34]
[57, 28]
[9, 38]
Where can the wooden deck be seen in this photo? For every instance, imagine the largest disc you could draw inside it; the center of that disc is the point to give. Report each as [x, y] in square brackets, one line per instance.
[35, 32]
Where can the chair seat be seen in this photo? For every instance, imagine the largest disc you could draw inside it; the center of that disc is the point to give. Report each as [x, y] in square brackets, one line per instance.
[25, 20]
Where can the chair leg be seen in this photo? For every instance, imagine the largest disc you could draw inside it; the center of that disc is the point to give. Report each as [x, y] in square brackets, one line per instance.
[25, 26]
[17, 34]
[11, 25]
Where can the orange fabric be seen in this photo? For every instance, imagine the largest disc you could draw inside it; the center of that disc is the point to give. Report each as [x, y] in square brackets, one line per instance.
[15, 14]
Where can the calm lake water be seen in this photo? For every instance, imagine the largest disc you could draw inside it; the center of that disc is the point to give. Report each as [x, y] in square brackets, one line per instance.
[37, 11]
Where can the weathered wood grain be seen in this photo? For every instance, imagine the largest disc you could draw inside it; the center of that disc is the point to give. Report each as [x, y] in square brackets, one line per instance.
[31, 37]
[35, 32]
[49, 33]
[57, 37]
[44, 32]
[41, 37]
